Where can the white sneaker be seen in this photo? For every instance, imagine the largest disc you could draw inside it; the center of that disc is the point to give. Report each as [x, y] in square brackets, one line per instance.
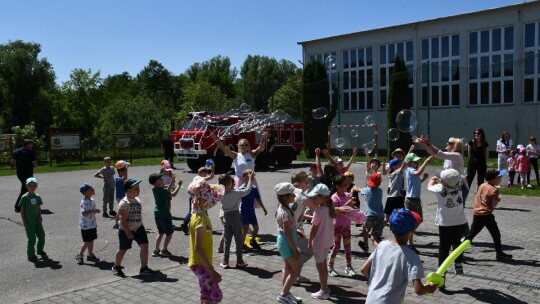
[332, 272]
[321, 294]
[529, 186]
[350, 272]
[288, 299]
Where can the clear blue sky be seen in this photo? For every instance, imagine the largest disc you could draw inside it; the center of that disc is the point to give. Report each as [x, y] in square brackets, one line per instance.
[113, 36]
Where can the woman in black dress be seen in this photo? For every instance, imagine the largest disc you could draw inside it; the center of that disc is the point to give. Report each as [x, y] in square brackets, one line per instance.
[478, 150]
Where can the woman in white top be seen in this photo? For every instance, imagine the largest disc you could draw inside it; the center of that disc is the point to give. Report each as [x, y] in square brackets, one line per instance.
[453, 158]
[504, 145]
[244, 158]
[533, 150]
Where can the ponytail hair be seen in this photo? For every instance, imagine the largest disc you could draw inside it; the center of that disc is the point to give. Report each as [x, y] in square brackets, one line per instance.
[331, 208]
[281, 200]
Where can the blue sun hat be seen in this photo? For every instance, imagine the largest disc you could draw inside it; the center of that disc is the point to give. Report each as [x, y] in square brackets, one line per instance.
[401, 221]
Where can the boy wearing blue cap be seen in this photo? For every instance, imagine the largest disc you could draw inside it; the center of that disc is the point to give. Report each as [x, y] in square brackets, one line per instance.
[30, 204]
[88, 224]
[131, 228]
[395, 257]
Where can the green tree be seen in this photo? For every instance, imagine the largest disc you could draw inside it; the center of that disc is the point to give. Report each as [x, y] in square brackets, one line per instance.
[202, 96]
[29, 131]
[80, 101]
[399, 98]
[261, 78]
[217, 72]
[26, 85]
[119, 86]
[137, 115]
[157, 83]
[315, 95]
[289, 97]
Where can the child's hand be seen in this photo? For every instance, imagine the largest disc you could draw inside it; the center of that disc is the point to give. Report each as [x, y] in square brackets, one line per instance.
[326, 152]
[435, 179]
[366, 151]
[318, 151]
[97, 211]
[425, 175]
[265, 212]
[354, 151]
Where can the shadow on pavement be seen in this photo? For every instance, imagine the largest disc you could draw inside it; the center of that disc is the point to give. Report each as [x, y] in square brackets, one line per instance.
[48, 263]
[158, 277]
[513, 209]
[46, 211]
[178, 259]
[487, 295]
[259, 272]
[102, 265]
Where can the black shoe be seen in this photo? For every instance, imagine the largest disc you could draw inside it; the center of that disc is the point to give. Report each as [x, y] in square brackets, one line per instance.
[184, 228]
[503, 256]
[105, 214]
[459, 268]
[146, 271]
[246, 248]
[254, 244]
[413, 248]
[363, 246]
[117, 271]
[43, 255]
[32, 259]
[112, 213]
[17, 209]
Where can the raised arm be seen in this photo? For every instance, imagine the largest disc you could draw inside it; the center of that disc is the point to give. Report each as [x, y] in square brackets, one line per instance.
[262, 145]
[326, 153]
[351, 161]
[426, 145]
[223, 147]
[318, 162]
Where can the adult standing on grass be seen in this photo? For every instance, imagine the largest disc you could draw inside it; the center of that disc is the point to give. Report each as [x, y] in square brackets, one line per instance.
[503, 148]
[24, 159]
[533, 150]
[478, 151]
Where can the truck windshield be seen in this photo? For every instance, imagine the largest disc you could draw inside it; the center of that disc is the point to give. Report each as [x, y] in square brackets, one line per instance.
[193, 124]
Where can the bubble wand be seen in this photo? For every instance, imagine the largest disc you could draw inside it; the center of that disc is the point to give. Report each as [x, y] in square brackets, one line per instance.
[436, 278]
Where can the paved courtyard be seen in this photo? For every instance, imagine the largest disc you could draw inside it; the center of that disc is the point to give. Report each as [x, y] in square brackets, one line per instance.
[61, 280]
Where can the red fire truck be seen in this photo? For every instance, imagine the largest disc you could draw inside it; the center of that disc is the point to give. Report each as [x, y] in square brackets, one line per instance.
[192, 141]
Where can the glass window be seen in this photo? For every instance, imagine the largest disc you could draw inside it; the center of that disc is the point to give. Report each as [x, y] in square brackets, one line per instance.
[509, 38]
[409, 51]
[445, 95]
[473, 43]
[508, 91]
[346, 101]
[354, 101]
[473, 73]
[496, 66]
[425, 74]
[362, 100]
[484, 67]
[435, 96]
[484, 93]
[425, 96]
[311, 58]
[369, 56]
[382, 54]
[369, 99]
[496, 92]
[529, 63]
[382, 76]
[455, 45]
[435, 72]
[409, 74]
[445, 46]
[484, 41]
[361, 79]
[391, 53]
[508, 65]
[473, 93]
[353, 58]
[345, 59]
[369, 78]
[425, 49]
[346, 80]
[496, 40]
[435, 47]
[360, 58]
[528, 94]
[400, 51]
[455, 94]
[445, 70]
[455, 69]
[354, 80]
[383, 101]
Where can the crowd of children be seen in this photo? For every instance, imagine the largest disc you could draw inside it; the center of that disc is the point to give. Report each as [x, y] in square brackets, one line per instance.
[323, 197]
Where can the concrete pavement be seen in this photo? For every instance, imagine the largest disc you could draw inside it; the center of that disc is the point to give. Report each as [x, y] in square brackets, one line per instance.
[61, 280]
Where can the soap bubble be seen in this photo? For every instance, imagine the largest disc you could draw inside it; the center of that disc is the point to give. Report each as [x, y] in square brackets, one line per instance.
[243, 108]
[369, 120]
[319, 113]
[406, 121]
[369, 146]
[340, 142]
[393, 134]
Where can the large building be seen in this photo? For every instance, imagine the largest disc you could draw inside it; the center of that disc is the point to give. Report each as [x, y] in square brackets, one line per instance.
[479, 69]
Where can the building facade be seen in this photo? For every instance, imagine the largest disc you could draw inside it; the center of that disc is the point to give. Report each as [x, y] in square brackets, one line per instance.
[479, 69]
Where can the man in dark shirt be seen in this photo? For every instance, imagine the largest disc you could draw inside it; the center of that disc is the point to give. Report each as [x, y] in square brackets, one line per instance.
[24, 160]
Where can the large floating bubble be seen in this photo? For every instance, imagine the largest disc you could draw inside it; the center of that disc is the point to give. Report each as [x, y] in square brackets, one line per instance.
[406, 121]
[330, 62]
[369, 120]
[355, 133]
[243, 108]
[319, 113]
[369, 146]
[393, 134]
[340, 142]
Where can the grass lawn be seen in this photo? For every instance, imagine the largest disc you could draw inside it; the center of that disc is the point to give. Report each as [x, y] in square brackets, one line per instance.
[516, 190]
